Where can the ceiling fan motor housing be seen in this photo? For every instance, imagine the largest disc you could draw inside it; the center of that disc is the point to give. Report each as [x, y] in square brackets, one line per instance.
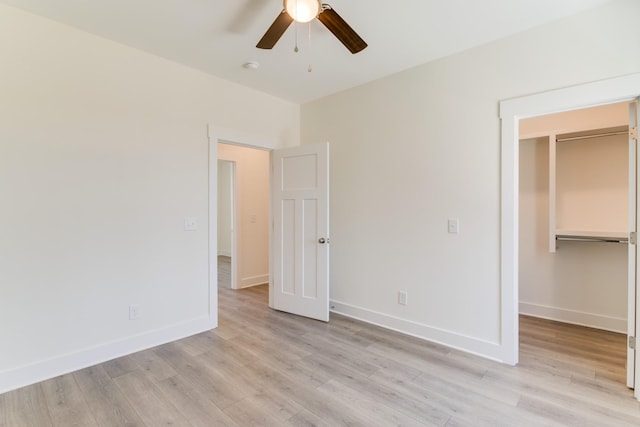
[293, 11]
[302, 10]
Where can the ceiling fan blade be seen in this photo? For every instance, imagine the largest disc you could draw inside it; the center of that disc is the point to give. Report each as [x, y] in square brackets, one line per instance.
[341, 29]
[275, 31]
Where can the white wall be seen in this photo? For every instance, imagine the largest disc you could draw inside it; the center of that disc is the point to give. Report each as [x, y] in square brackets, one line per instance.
[103, 153]
[411, 150]
[252, 205]
[225, 206]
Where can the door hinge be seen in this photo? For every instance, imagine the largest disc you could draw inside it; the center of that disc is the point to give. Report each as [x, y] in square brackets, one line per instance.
[633, 133]
[633, 238]
[632, 343]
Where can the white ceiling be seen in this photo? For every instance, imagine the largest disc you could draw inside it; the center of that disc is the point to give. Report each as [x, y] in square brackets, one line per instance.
[218, 36]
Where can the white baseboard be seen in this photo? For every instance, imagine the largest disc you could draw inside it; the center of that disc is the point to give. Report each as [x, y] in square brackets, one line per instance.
[50, 368]
[486, 349]
[247, 282]
[598, 321]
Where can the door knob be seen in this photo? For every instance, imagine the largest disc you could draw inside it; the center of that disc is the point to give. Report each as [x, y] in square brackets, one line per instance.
[322, 240]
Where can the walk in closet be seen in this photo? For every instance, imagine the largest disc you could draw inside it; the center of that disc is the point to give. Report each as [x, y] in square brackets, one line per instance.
[574, 217]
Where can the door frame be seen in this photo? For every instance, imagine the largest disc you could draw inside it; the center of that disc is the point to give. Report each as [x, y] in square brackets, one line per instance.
[615, 90]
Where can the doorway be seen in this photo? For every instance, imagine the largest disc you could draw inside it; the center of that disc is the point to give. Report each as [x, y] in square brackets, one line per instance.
[243, 215]
[297, 231]
[621, 89]
[574, 198]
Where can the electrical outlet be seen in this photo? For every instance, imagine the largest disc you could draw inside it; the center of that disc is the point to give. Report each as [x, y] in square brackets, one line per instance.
[134, 312]
[402, 297]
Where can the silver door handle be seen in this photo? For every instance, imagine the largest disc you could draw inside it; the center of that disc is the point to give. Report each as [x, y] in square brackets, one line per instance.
[322, 240]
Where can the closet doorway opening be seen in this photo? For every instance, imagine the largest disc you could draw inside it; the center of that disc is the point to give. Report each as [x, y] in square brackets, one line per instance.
[577, 209]
[242, 215]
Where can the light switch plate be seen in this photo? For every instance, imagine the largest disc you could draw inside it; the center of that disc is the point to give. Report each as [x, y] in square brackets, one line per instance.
[190, 223]
[454, 226]
[402, 297]
[134, 312]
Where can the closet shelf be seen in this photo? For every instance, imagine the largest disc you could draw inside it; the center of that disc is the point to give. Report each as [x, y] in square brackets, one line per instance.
[592, 235]
[574, 199]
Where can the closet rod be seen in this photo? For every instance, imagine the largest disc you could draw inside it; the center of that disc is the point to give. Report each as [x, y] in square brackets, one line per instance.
[593, 239]
[596, 135]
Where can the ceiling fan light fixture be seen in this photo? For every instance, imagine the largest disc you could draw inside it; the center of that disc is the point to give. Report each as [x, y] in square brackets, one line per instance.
[302, 10]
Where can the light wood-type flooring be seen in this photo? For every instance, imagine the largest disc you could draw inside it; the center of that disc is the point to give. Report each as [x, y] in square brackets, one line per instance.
[224, 271]
[266, 368]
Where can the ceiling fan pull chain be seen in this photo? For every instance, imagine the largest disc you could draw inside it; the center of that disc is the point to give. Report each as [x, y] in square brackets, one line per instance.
[310, 69]
[295, 24]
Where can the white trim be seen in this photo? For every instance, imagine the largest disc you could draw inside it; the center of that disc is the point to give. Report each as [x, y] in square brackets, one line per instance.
[213, 231]
[224, 253]
[248, 282]
[224, 135]
[60, 365]
[235, 234]
[603, 92]
[591, 320]
[486, 349]
[551, 133]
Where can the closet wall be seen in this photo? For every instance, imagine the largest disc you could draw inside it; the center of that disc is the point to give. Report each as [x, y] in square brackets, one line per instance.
[225, 207]
[581, 282]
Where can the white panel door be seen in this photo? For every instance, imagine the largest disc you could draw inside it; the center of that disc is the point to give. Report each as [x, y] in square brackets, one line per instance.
[633, 356]
[300, 239]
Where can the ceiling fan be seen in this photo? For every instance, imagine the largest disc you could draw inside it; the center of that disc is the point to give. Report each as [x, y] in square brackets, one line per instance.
[305, 11]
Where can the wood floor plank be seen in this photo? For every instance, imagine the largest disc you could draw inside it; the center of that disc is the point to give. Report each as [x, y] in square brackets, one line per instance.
[228, 352]
[578, 416]
[342, 350]
[27, 407]
[91, 377]
[222, 391]
[380, 414]
[227, 330]
[561, 391]
[120, 366]
[306, 418]
[330, 409]
[148, 401]
[420, 408]
[3, 410]
[265, 343]
[193, 404]
[66, 404]
[201, 343]
[263, 410]
[153, 365]
[289, 368]
[110, 408]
